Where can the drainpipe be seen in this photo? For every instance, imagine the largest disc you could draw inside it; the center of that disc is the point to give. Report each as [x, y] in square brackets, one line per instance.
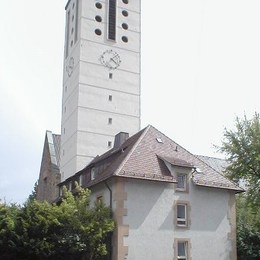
[110, 196]
[111, 213]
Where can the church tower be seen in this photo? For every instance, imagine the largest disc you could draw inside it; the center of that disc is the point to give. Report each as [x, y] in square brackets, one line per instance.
[101, 78]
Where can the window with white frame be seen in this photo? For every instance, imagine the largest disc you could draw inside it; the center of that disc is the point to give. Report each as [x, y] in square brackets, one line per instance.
[181, 182]
[182, 215]
[182, 250]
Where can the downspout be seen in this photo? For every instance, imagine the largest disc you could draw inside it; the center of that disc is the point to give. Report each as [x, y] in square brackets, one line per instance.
[110, 196]
[111, 214]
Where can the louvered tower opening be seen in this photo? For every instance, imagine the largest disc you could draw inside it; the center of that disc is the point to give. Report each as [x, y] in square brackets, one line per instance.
[112, 20]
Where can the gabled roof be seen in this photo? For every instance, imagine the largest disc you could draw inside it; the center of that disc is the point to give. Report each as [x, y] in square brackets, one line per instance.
[142, 156]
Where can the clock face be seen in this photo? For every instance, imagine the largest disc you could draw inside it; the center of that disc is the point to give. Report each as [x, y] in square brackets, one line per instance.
[110, 59]
[70, 66]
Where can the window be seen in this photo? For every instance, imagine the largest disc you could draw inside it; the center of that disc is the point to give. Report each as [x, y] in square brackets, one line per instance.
[98, 18]
[98, 32]
[125, 13]
[110, 75]
[112, 20]
[80, 180]
[182, 250]
[181, 182]
[182, 215]
[93, 174]
[109, 121]
[124, 39]
[67, 34]
[98, 5]
[76, 21]
[125, 1]
[110, 97]
[70, 186]
[125, 26]
[109, 144]
[100, 199]
[60, 191]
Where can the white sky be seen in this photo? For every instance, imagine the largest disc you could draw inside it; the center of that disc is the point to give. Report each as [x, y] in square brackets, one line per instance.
[200, 69]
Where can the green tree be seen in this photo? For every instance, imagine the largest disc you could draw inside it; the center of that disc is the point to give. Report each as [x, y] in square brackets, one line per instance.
[40, 230]
[242, 149]
[248, 230]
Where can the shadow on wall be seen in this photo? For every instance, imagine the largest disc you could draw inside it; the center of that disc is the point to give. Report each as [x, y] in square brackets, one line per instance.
[149, 203]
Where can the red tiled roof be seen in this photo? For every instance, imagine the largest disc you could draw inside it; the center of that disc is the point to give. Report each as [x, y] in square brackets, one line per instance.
[142, 156]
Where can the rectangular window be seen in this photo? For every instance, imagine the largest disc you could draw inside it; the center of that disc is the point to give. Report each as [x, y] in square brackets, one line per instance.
[181, 182]
[182, 215]
[76, 21]
[182, 249]
[93, 174]
[80, 180]
[99, 199]
[109, 144]
[110, 75]
[110, 98]
[67, 34]
[70, 186]
[112, 20]
[109, 121]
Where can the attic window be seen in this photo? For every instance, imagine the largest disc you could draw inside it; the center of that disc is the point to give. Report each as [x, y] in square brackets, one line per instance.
[70, 186]
[80, 180]
[159, 140]
[93, 174]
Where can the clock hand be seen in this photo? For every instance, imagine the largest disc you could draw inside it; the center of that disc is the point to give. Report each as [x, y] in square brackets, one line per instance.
[112, 59]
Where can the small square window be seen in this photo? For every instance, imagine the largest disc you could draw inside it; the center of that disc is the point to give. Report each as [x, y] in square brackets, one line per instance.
[182, 248]
[99, 199]
[181, 182]
[110, 121]
[182, 215]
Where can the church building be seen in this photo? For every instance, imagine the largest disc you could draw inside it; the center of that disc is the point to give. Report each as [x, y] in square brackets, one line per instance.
[167, 202]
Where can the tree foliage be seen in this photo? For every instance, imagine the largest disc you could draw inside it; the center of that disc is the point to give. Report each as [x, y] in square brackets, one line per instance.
[40, 230]
[242, 148]
[248, 230]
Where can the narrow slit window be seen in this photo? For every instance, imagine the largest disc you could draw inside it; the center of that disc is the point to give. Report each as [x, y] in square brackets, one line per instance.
[76, 21]
[67, 34]
[112, 20]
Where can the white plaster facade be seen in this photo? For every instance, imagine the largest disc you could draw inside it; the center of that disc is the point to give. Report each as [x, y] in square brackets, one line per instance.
[95, 104]
[151, 220]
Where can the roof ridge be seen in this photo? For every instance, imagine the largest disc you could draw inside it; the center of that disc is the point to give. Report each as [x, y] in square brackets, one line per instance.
[145, 130]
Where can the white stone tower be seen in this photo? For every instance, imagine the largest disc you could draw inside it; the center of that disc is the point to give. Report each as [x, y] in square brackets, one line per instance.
[101, 82]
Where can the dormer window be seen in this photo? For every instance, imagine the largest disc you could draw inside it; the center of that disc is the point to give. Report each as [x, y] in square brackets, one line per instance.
[181, 182]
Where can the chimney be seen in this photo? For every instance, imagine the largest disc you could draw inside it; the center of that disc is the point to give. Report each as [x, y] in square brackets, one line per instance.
[120, 138]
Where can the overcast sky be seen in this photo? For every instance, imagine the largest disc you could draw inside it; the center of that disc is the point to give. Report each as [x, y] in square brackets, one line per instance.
[200, 69]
